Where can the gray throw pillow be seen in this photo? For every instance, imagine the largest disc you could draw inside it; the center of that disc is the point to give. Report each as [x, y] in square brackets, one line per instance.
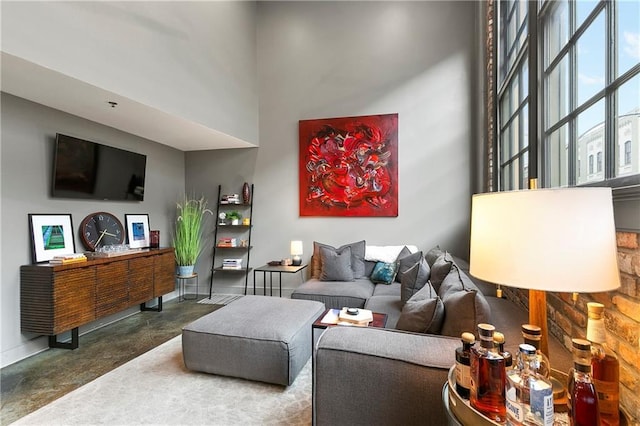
[357, 258]
[433, 254]
[461, 296]
[440, 269]
[423, 313]
[407, 261]
[336, 265]
[414, 279]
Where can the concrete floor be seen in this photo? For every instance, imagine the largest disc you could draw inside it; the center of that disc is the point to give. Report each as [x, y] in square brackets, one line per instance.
[36, 381]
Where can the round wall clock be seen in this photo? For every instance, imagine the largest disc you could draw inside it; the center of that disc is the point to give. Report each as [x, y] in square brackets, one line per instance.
[101, 229]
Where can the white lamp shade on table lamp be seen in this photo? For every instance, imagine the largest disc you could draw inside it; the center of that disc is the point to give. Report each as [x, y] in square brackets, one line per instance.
[560, 240]
[296, 253]
[545, 239]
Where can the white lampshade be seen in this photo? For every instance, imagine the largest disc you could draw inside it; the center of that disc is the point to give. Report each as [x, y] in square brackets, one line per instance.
[545, 239]
[296, 248]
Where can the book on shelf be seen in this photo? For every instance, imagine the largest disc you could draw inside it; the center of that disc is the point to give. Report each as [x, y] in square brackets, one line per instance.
[68, 258]
[230, 199]
[228, 242]
[232, 264]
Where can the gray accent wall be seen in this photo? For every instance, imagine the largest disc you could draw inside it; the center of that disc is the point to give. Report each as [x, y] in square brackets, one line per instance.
[28, 136]
[332, 59]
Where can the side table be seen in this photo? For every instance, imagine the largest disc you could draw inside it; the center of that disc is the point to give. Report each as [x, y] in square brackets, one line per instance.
[182, 286]
[277, 269]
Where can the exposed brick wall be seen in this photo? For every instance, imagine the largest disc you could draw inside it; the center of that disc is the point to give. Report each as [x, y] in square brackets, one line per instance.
[622, 319]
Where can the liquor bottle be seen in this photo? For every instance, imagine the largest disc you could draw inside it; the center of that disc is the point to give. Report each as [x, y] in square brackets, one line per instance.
[498, 344]
[581, 353]
[463, 365]
[605, 368]
[584, 399]
[531, 335]
[488, 377]
[529, 394]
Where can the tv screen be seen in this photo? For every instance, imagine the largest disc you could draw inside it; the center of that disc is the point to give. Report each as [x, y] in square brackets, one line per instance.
[84, 169]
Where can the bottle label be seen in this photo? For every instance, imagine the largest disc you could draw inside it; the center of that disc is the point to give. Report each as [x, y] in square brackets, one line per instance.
[542, 402]
[515, 410]
[463, 375]
[596, 331]
[608, 396]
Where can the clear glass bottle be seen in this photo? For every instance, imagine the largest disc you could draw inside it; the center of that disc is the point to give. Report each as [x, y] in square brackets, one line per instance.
[529, 397]
[463, 365]
[605, 367]
[488, 377]
[498, 344]
[531, 335]
[584, 399]
[581, 350]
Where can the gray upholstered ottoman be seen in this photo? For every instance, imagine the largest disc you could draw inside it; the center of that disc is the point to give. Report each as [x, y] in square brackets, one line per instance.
[259, 338]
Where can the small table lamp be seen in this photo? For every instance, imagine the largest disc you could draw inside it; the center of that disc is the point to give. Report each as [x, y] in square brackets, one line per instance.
[296, 253]
[560, 240]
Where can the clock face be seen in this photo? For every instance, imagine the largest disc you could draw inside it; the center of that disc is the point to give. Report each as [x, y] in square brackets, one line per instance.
[101, 229]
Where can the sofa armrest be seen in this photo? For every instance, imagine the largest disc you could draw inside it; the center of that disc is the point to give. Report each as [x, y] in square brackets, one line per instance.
[375, 376]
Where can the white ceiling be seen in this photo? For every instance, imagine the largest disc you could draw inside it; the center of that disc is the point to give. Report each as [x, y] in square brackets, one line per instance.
[53, 89]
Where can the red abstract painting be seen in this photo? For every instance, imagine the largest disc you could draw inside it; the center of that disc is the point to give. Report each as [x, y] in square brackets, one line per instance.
[349, 166]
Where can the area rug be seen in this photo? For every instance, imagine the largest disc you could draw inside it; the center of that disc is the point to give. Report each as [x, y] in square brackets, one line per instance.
[157, 389]
[220, 299]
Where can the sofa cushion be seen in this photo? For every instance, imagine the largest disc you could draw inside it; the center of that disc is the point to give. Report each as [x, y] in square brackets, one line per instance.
[387, 254]
[433, 254]
[440, 269]
[406, 261]
[384, 273]
[387, 304]
[336, 294]
[414, 279]
[465, 306]
[336, 264]
[424, 312]
[357, 258]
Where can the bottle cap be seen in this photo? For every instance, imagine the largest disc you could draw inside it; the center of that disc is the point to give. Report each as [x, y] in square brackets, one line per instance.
[498, 337]
[468, 337]
[581, 344]
[485, 331]
[595, 310]
[527, 349]
[532, 332]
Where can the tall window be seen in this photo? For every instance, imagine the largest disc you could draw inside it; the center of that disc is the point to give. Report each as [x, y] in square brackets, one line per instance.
[587, 61]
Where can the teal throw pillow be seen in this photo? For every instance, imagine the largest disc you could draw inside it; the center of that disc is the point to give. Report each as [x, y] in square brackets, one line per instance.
[384, 273]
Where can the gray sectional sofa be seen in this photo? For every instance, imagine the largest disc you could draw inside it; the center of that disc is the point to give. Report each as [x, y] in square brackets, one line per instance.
[395, 375]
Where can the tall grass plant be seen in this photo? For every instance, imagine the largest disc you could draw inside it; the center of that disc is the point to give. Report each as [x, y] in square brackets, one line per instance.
[188, 237]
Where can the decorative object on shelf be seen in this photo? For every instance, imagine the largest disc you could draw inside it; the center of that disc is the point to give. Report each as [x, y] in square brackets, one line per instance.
[138, 230]
[101, 229]
[246, 193]
[349, 166]
[246, 221]
[222, 216]
[296, 253]
[154, 239]
[234, 217]
[541, 250]
[51, 235]
[188, 233]
[230, 199]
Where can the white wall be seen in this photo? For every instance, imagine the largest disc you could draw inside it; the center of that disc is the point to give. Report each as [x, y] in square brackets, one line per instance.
[28, 135]
[331, 59]
[195, 60]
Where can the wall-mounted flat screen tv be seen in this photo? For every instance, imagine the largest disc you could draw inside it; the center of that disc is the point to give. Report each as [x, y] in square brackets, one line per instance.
[84, 169]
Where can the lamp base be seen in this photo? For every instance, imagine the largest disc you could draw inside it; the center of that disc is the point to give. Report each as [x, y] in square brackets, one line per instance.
[296, 261]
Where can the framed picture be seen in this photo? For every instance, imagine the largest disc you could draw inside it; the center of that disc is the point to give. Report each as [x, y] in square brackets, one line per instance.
[138, 230]
[349, 166]
[51, 235]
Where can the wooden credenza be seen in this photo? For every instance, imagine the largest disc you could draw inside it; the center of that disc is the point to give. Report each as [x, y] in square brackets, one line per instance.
[59, 298]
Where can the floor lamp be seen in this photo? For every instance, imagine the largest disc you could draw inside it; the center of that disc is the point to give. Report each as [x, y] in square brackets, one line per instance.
[560, 240]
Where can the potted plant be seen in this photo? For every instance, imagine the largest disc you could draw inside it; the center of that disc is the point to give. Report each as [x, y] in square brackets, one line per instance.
[234, 217]
[188, 233]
